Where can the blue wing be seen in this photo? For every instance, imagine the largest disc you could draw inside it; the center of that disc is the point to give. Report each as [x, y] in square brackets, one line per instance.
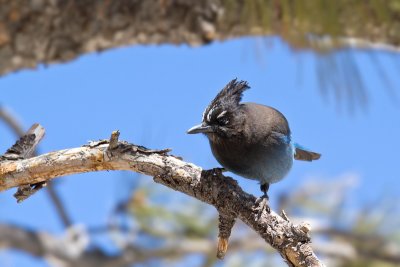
[300, 152]
[283, 137]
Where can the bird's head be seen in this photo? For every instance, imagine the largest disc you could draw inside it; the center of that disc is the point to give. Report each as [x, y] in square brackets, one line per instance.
[223, 116]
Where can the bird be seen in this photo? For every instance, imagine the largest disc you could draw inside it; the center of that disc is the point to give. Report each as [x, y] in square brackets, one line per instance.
[249, 139]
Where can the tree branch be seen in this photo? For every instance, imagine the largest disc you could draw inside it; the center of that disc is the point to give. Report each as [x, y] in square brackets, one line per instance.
[42, 32]
[17, 128]
[291, 241]
[25, 146]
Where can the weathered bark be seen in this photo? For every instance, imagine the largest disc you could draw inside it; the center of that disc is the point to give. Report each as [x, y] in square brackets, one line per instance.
[291, 241]
[47, 31]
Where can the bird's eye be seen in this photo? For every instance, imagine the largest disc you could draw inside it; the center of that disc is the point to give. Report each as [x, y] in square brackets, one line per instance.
[222, 118]
[223, 121]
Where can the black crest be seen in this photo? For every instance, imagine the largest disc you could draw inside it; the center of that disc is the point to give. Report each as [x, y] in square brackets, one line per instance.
[227, 100]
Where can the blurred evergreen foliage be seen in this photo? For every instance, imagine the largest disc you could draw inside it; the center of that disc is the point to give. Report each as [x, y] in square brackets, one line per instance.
[298, 22]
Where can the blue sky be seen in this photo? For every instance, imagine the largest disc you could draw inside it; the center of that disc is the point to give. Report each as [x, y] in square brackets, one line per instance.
[153, 94]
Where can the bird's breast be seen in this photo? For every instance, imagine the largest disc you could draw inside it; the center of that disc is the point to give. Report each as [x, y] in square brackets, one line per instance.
[266, 163]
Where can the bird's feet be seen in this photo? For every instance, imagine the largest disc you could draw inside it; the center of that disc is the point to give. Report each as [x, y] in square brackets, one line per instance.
[261, 204]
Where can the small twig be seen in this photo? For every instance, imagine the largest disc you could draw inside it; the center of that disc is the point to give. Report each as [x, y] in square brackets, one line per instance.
[22, 149]
[26, 191]
[284, 216]
[225, 225]
[113, 140]
[25, 146]
[149, 151]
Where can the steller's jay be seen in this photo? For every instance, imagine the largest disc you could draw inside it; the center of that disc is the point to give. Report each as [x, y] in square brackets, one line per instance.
[249, 139]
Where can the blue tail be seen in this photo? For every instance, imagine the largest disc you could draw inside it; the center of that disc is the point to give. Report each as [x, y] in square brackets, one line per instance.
[301, 153]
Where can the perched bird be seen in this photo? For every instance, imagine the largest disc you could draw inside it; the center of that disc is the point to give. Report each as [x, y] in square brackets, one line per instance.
[249, 139]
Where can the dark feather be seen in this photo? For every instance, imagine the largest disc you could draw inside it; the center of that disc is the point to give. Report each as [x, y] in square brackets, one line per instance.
[305, 155]
[232, 92]
[229, 97]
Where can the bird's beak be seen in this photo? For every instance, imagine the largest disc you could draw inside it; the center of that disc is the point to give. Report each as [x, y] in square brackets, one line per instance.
[200, 129]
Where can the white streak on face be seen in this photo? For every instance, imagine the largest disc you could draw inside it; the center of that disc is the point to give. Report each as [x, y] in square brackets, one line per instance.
[207, 117]
[210, 113]
[221, 114]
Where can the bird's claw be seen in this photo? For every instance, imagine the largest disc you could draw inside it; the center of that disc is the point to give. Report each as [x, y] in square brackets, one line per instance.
[261, 204]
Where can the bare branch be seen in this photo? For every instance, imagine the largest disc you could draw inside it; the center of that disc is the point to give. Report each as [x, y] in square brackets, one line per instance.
[291, 241]
[25, 146]
[13, 123]
[113, 143]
